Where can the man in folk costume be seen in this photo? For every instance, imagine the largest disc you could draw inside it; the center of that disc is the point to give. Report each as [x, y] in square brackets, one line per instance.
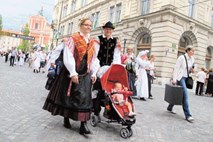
[70, 95]
[109, 53]
[142, 81]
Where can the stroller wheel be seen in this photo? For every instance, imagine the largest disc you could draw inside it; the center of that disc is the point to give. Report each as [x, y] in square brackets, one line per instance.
[94, 120]
[130, 131]
[124, 132]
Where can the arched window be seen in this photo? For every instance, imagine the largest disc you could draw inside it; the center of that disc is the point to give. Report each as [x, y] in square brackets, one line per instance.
[183, 43]
[144, 42]
[208, 57]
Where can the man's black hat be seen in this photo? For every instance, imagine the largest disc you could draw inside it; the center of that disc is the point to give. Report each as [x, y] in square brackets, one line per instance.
[109, 25]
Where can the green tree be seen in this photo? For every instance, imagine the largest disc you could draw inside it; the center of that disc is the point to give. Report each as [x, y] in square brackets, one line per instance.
[0, 22]
[24, 46]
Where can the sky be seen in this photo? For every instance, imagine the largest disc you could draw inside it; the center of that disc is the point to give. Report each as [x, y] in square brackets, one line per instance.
[15, 13]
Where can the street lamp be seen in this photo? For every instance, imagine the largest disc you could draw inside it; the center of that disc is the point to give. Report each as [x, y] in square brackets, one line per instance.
[53, 33]
[124, 45]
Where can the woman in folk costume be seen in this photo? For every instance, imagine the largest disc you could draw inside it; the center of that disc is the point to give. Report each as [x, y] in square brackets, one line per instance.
[70, 95]
[142, 81]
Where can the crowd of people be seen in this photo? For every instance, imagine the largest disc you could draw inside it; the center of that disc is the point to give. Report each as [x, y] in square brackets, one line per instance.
[36, 58]
[79, 63]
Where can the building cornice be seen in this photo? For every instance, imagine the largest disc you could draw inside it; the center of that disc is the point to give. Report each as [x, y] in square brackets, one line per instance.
[167, 12]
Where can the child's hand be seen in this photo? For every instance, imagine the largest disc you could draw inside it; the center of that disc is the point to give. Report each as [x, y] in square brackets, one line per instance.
[125, 88]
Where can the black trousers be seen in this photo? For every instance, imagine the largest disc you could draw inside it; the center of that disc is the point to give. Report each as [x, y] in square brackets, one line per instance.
[12, 59]
[199, 87]
[149, 77]
[97, 102]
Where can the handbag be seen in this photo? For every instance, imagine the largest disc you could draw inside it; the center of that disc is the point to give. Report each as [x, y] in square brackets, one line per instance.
[189, 80]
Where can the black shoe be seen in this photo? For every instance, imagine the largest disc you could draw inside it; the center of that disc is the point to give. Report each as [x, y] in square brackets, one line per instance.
[98, 118]
[142, 98]
[171, 111]
[67, 123]
[84, 129]
[150, 97]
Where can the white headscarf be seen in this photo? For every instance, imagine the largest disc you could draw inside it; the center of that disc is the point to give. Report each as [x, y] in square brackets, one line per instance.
[143, 52]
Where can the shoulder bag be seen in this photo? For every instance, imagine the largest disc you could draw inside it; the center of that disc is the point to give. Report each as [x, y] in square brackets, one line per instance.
[189, 80]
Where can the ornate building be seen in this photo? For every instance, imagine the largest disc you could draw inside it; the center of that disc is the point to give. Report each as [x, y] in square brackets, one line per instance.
[165, 27]
[40, 29]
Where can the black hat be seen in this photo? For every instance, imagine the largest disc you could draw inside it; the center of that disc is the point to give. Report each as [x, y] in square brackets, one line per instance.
[109, 25]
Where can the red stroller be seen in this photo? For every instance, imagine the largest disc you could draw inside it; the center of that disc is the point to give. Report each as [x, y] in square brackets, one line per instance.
[115, 112]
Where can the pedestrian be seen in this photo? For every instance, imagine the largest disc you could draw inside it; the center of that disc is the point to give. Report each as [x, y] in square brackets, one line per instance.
[201, 77]
[130, 67]
[142, 80]
[36, 61]
[209, 89]
[13, 56]
[42, 55]
[70, 95]
[109, 53]
[21, 58]
[150, 74]
[179, 77]
[6, 56]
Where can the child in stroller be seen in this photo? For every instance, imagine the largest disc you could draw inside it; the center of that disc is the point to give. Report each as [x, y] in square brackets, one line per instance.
[120, 97]
[113, 111]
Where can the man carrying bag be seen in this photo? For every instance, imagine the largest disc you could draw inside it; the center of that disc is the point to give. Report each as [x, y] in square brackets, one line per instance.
[183, 67]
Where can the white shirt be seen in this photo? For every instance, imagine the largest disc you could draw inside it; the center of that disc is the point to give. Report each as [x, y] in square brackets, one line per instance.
[201, 76]
[180, 67]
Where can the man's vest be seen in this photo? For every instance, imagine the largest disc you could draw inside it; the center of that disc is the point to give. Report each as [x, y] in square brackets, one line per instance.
[106, 51]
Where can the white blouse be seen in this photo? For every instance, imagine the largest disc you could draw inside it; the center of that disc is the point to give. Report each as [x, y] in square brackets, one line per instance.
[69, 60]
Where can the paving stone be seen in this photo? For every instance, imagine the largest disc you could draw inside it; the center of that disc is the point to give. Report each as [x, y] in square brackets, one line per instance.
[22, 119]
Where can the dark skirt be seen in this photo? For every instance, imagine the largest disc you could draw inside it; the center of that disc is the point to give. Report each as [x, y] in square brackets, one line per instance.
[209, 88]
[78, 105]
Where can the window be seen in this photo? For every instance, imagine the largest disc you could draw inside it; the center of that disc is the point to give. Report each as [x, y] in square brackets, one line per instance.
[111, 13]
[64, 11]
[145, 39]
[118, 13]
[191, 8]
[69, 30]
[145, 6]
[95, 19]
[73, 5]
[62, 30]
[144, 42]
[36, 26]
[83, 3]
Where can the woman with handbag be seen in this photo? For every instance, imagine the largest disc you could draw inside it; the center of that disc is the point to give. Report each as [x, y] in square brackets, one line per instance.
[184, 66]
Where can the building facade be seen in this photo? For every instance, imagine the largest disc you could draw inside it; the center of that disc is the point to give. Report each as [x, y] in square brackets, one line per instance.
[165, 27]
[40, 29]
[9, 41]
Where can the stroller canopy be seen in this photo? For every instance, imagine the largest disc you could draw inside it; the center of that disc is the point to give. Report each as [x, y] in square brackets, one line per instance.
[116, 73]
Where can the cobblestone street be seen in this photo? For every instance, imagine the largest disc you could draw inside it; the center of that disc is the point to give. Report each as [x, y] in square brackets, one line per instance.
[22, 119]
